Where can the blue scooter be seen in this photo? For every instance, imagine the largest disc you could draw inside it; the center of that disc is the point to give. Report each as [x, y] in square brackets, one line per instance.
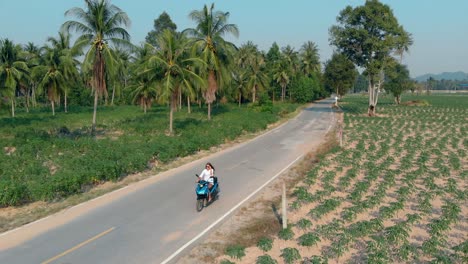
[201, 190]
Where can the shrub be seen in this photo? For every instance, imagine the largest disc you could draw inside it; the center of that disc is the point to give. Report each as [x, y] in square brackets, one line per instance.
[266, 259]
[265, 244]
[235, 251]
[290, 255]
[286, 234]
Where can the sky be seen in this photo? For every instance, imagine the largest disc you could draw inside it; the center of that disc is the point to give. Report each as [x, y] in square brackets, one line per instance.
[439, 27]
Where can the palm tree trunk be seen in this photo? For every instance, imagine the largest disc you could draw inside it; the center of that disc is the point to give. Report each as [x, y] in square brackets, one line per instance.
[209, 111]
[65, 103]
[180, 97]
[253, 94]
[113, 94]
[240, 97]
[53, 107]
[12, 107]
[144, 107]
[188, 105]
[93, 127]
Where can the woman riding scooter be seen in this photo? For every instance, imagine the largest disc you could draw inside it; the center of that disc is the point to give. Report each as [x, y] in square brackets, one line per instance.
[208, 175]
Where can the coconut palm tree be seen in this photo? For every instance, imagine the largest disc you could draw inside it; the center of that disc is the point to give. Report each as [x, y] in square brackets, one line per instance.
[208, 39]
[254, 64]
[12, 69]
[100, 25]
[177, 70]
[53, 80]
[32, 59]
[66, 62]
[310, 60]
[282, 74]
[403, 44]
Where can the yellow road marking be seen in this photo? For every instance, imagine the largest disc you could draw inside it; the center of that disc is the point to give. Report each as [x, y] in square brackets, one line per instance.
[78, 246]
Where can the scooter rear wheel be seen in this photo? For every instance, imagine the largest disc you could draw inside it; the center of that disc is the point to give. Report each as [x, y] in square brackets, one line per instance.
[200, 204]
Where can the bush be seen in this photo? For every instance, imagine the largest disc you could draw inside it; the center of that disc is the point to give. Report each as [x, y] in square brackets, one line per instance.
[286, 234]
[235, 251]
[266, 259]
[290, 255]
[265, 244]
[13, 193]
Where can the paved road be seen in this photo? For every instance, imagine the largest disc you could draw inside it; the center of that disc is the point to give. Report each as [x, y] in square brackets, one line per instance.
[150, 221]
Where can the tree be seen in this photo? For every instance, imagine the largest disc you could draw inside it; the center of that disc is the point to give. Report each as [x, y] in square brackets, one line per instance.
[272, 60]
[367, 35]
[282, 74]
[12, 70]
[340, 74]
[215, 51]
[100, 26]
[360, 84]
[309, 57]
[253, 62]
[61, 72]
[177, 70]
[32, 60]
[160, 24]
[398, 80]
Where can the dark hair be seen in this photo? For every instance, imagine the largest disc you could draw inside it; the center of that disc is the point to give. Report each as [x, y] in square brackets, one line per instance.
[211, 165]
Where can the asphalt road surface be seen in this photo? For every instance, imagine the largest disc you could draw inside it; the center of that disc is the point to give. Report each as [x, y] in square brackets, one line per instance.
[155, 221]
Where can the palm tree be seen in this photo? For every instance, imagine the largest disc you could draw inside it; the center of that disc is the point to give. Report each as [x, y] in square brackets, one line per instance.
[65, 62]
[53, 79]
[12, 70]
[239, 77]
[32, 59]
[310, 61]
[254, 64]
[100, 25]
[215, 51]
[281, 74]
[403, 44]
[177, 70]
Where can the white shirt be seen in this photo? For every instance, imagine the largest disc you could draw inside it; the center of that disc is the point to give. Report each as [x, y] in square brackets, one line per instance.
[206, 174]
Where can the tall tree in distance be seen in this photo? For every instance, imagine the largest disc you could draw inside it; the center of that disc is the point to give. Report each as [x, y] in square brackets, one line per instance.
[12, 69]
[398, 80]
[160, 24]
[100, 24]
[340, 74]
[211, 27]
[367, 35]
[310, 59]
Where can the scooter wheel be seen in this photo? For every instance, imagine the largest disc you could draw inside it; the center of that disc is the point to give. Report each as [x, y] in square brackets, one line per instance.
[200, 204]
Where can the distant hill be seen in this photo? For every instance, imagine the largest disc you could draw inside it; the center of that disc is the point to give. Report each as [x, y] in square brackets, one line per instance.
[456, 76]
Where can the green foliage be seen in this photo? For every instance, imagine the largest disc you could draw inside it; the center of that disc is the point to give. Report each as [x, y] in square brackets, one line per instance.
[306, 89]
[225, 261]
[235, 251]
[304, 224]
[316, 260]
[340, 74]
[265, 259]
[286, 233]
[290, 255]
[309, 239]
[265, 244]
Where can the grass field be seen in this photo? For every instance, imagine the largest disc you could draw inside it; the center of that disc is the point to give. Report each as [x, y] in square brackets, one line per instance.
[396, 192]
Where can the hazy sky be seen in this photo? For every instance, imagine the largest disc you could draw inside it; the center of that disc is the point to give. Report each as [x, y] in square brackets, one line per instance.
[439, 27]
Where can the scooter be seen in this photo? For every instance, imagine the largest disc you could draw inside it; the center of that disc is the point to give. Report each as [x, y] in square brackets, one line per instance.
[201, 190]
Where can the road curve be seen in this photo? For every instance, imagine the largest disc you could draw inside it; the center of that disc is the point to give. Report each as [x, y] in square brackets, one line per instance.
[154, 221]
